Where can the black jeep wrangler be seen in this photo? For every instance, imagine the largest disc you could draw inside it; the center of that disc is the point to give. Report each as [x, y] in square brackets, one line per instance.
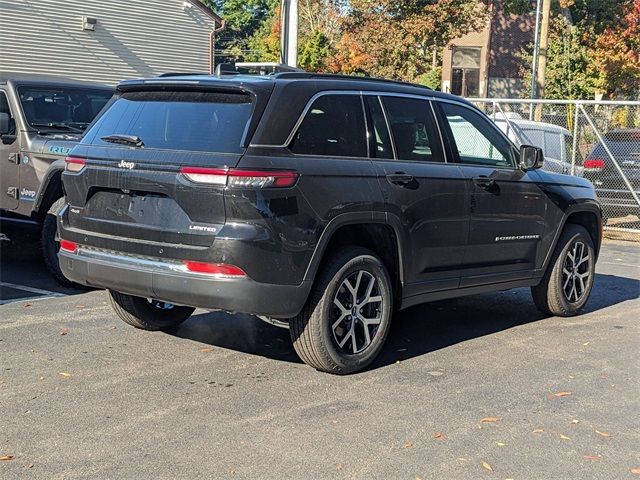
[322, 201]
[41, 119]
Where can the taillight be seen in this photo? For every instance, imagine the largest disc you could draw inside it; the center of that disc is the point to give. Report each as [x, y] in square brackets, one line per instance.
[594, 164]
[68, 246]
[237, 178]
[74, 164]
[221, 269]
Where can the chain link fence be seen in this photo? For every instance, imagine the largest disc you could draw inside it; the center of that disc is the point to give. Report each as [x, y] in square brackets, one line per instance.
[599, 141]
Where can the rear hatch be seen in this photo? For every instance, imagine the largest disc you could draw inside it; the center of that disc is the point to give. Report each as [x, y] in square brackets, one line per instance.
[624, 145]
[130, 194]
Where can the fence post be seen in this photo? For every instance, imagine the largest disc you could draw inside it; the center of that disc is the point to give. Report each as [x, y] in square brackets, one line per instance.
[576, 111]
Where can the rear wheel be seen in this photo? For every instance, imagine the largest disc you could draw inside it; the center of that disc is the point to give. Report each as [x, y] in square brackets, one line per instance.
[567, 283]
[148, 314]
[345, 322]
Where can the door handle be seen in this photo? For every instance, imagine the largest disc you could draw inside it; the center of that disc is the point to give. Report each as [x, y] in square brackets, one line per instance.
[484, 182]
[400, 178]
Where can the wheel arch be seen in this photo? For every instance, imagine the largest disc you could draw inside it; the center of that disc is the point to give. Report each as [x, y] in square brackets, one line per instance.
[50, 190]
[587, 215]
[371, 231]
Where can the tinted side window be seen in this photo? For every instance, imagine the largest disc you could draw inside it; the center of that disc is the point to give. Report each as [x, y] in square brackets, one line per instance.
[474, 138]
[334, 127]
[382, 147]
[414, 130]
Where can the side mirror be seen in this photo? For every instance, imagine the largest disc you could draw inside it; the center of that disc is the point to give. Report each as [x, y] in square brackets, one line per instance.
[5, 123]
[531, 158]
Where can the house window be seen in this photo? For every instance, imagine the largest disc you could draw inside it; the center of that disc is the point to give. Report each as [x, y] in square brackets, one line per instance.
[465, 71]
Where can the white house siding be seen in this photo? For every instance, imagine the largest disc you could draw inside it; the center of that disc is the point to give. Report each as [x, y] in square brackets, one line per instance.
[132, 38]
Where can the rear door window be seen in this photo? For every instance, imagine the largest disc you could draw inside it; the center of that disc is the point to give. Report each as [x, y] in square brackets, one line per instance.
[192, 121]
[382, 146]
[334, 126]
[413, 128]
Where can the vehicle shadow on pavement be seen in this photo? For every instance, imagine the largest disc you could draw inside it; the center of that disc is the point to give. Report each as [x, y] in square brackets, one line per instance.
[23, 274]
[414, 332]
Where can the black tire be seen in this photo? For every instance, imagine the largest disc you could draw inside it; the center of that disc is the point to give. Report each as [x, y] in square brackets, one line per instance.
[148, 314]
[313, 337]
[50, 245]
[550, 296]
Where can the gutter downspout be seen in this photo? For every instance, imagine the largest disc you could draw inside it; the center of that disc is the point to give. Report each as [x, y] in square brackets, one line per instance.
[212, 41]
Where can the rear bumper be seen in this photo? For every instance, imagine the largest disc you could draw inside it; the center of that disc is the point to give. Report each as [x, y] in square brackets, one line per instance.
[155, 279]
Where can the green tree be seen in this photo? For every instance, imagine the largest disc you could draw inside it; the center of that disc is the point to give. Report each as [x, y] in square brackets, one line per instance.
[243, 19]
[314, 52]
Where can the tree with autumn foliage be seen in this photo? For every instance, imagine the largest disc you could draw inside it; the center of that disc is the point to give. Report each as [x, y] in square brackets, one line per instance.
[403, 39]
[616, 55]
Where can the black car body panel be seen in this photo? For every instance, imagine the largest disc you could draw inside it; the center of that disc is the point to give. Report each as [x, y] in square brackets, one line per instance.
[447, 227]
[613, 192]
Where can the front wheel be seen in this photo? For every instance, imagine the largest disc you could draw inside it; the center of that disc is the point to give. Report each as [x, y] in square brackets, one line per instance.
[567, 283]
[345, 322]
[147, 313]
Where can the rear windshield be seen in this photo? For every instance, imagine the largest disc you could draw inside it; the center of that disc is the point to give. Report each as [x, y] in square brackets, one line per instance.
[194, 121]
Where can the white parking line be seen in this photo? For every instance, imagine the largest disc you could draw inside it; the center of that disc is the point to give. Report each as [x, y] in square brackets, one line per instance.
[38, 291]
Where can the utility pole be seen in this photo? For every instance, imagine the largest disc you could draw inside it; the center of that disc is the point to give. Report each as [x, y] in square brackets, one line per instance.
[536, 48]
[542, 60]
[289, 35]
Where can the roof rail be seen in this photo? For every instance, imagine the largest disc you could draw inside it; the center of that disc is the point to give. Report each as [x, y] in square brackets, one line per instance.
[333, 76]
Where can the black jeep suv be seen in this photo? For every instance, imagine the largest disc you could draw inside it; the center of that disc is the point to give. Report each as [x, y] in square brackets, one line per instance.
[327, 202]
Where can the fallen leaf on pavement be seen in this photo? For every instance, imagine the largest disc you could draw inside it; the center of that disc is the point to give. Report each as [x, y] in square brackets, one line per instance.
[562, 394]
[564, 437]
[408, 445]
[593, 458]
[490, 420]
[206, 350]
[501, 444]
[65, 374]
[573, 422]
[64, 331]
[487, 466]
[585, 344]
[339, 466]
[439, 436]
[538, 430]
[24, 305]
[635, 471]
[5, 458]
[603, 434]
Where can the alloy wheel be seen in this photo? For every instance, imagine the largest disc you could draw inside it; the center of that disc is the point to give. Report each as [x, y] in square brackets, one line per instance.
[356, 312]
[576, 272]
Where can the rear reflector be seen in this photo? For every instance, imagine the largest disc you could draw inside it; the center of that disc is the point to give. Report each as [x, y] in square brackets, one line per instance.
[236, 178]
[214, 269]
[594, 164]
[68, 246]
[74, 164]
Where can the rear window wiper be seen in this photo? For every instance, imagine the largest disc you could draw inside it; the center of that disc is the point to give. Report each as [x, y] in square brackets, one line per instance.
[58, 125]
[124, 140]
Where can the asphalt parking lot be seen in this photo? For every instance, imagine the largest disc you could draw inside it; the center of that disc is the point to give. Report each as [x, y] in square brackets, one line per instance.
[480, 387]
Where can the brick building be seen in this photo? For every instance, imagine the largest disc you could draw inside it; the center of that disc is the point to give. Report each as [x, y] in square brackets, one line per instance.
[486, 63]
